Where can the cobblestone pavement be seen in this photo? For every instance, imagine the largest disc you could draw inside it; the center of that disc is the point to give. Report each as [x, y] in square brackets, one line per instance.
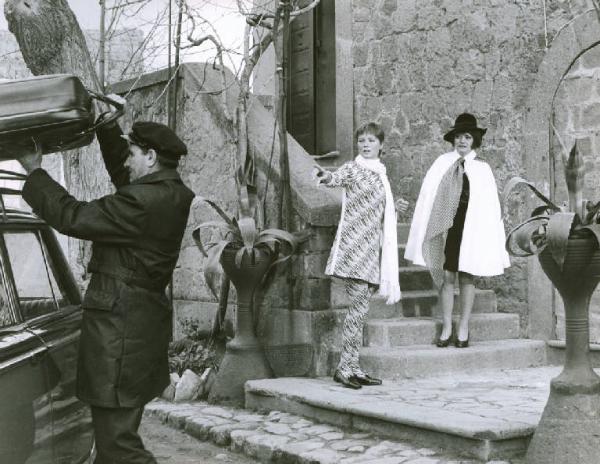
[171, 446]
[286, 438]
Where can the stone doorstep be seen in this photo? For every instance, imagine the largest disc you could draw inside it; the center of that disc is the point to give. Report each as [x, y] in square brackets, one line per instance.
[364, 410]
[285, 438]
[422, 303]
[425, 360]
[424, 331]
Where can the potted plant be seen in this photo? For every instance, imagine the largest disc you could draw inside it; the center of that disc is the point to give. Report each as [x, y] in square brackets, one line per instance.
[566, 243]
[246, 254]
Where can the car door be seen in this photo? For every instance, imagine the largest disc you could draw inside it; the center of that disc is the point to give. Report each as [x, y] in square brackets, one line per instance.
[50, 304]
[25, 403]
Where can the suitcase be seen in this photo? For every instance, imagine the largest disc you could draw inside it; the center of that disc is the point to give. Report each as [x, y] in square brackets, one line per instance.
[56, 111]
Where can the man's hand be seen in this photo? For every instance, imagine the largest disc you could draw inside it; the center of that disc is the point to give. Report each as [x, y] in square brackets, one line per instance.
[32, 161]
[401, 205]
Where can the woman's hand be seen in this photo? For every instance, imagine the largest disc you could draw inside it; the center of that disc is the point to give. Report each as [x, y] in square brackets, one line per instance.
[322, 176]
[401, 206]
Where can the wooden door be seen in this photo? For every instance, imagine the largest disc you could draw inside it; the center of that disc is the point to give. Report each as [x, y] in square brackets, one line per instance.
[311, 84]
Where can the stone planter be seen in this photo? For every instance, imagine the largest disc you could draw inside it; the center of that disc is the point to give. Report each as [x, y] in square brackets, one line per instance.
[569, 430]
[244, 356]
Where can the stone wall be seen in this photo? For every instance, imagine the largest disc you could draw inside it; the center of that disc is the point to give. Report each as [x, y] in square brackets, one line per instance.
[419, 63]
[300, 307]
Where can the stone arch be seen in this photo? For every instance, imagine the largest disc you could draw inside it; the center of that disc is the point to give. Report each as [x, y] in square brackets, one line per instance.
[576, 38]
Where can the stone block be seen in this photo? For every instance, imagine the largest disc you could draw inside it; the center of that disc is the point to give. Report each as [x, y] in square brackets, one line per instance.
[405, 18]
[263, 446]
[198, 313]
[590, 116]
[389, 6]
[200, 426]
[312, 294]
[321, 239]
[339, 297]
[311, 265]
[238, 439]
[360, 54]
[187, 387]
[415, 278]
[397, 363]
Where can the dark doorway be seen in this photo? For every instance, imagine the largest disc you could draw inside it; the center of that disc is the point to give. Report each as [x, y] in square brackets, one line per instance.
[311, 104]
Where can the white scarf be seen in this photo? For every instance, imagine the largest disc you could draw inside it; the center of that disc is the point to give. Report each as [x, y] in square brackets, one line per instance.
[389, 286]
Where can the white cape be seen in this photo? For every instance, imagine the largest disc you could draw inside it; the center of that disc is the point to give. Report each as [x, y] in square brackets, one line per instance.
[482, 251]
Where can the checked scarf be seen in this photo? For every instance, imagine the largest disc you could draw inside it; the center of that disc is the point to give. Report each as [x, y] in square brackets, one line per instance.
[441, 219]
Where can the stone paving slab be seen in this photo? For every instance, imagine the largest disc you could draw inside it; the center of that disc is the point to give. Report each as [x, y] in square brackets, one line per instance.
[492, 413]
[281, 437]
[494, 404]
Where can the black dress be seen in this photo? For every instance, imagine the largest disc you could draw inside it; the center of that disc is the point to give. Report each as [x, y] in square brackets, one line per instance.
[454, 238]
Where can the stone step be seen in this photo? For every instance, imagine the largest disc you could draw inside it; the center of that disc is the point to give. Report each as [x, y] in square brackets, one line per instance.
[403, 228]
[418, 331]
[402, 262]
[282, 438]
[422, 303]
[488, 414]
[425, 360]
[414, 278]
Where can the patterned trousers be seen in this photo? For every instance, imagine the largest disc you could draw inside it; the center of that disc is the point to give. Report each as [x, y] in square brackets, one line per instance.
[360, 293]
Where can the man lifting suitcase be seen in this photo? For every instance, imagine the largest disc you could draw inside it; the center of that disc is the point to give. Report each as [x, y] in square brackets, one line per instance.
[136, 234]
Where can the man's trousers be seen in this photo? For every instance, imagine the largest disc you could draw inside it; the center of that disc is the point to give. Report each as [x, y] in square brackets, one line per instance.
[117, 438]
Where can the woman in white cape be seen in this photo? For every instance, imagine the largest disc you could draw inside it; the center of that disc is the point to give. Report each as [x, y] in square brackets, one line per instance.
[457, 226]
[364, 252]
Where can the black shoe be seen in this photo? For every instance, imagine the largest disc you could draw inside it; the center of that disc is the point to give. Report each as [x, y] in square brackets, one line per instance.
[461, 343]
[367, 380]
[443, 343]
[347, 382]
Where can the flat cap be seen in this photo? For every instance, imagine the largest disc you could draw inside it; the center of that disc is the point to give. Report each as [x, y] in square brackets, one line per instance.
[149, 134]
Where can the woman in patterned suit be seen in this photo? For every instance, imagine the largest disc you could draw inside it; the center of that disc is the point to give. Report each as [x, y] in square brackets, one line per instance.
[457, 226]
[364, 252]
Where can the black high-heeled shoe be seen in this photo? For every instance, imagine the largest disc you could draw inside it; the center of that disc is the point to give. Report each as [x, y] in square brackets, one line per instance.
[347, 382]
[461, 343]
[367, 380]
[443, 342]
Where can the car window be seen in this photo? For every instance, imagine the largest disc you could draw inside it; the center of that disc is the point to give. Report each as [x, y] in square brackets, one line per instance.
[6, 317]
[37, 289]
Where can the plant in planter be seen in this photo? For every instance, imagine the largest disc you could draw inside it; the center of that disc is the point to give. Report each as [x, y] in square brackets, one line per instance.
[566, 243]
[245, 254]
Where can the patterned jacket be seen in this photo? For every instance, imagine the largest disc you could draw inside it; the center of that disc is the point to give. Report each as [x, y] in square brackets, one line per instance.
[356, 249]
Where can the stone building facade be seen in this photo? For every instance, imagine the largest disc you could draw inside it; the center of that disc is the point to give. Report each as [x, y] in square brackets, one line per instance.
[416, 64]
[413, 66]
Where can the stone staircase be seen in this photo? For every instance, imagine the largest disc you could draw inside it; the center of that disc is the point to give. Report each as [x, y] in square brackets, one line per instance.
[398, 347]
[399, 339]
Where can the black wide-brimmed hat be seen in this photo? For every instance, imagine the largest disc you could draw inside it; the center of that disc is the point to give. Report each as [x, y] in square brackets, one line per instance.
[465, 122]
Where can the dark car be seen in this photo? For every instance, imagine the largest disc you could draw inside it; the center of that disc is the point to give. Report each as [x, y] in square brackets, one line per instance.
[41, 420]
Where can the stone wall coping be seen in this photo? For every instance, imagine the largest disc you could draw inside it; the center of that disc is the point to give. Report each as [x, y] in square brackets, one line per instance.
[317, 206]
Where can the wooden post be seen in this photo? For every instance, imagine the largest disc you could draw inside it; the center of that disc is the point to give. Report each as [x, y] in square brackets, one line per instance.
[102, 46]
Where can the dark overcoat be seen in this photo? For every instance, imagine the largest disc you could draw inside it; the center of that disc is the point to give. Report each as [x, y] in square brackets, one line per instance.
[136, 234]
